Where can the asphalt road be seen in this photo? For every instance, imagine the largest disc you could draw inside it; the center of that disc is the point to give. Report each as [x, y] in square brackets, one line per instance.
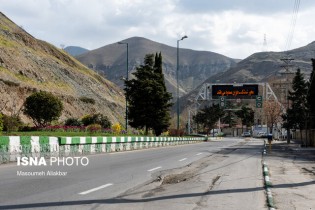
[110, 176]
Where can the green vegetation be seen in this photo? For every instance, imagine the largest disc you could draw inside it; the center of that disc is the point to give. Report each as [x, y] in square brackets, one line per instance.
[73, 122]
[94, 128]
[208, 116]
[6, 43]
[1, 122]
[296, 114]
[311, 97]
[246, 114]
[87, 100]
[11, 123]
[99, 119]
[148, 100]
[42, 108]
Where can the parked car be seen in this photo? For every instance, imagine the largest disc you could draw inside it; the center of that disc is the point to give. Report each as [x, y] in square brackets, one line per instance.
[246, 134]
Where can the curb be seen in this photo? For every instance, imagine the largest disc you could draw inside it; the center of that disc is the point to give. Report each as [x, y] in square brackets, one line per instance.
[267, 182]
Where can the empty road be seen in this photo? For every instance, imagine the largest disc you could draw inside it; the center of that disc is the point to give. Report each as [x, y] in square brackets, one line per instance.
[222, 174]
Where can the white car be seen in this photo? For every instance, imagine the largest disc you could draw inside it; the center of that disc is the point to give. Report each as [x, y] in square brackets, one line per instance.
[261, 135]
[246, 134]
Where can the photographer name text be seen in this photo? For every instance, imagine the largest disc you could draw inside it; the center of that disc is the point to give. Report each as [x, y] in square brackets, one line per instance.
[41, 173]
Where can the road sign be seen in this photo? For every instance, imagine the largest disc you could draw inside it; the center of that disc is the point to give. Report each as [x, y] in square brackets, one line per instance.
[259, 101]
[222, 101]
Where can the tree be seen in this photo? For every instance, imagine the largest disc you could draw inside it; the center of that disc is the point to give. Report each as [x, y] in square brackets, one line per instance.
[1, 122]
[148, 100]
[296, 114]
[246, 114]
[208, 117]
[230, 117]
[311, 96]
[43, 107]
[272, 111]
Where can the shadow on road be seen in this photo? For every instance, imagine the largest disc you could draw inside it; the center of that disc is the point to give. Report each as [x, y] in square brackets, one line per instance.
[120, 200]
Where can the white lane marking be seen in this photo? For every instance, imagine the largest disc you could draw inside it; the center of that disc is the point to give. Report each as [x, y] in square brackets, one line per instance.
[182, 159]
[153, 169]
[95, 189]
[199, 153]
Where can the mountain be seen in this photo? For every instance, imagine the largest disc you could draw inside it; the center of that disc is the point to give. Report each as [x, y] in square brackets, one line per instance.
[75, 51]
[28, 65]
[195, 66]
[261, 67]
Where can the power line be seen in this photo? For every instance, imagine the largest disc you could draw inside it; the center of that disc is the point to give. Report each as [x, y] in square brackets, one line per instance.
[292, 25]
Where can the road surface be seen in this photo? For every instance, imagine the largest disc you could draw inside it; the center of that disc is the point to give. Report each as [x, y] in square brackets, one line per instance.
[222, 174]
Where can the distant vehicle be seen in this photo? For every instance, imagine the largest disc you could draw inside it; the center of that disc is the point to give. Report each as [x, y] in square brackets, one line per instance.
[246, 134]
[261, 135]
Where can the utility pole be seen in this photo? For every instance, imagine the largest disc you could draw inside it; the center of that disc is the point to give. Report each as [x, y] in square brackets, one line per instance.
[286, 66]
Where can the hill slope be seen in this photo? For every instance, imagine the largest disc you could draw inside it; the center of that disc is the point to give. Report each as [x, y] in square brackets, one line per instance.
[28, 65]
[261, 67]
[195, 66]
[75, 51]
[265, 65]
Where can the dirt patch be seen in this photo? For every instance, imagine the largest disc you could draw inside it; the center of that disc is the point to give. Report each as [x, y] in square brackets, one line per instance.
[177, 178]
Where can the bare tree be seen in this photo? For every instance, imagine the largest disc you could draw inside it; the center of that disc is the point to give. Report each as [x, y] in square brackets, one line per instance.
[273, 111]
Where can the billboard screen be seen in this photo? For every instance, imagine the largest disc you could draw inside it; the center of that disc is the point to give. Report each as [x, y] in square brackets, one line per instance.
[231, 91]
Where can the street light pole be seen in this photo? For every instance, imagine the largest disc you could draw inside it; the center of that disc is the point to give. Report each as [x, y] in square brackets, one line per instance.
[177, 69]
[127, 78]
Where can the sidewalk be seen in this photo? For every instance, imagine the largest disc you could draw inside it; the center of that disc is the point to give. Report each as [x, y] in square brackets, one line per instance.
[292, 174]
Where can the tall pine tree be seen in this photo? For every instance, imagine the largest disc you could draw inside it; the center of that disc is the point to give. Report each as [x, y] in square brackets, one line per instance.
[296, 113]
[311, 96]
[149, 102]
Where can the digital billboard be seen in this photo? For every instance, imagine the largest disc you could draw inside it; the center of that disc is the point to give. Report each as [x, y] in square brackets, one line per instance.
[235, 91]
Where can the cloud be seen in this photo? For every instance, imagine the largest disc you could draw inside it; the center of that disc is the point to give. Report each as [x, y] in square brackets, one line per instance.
[233, 28]
[264, 7]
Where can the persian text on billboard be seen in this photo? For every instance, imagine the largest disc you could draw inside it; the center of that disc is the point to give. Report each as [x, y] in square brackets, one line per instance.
[234, 91]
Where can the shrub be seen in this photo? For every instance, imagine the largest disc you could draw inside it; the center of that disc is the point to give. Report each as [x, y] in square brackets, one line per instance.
[96, 119]
[116, 128]
[11, 123]
[87, 100]
[42, 108]
[73, 122]
[166, 133]
[1, 122]
[174, 132]
[94, 128]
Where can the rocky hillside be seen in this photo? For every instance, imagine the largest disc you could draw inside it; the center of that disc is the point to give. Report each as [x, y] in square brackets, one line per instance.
[265, 65]
[195, 66]
[28, 65]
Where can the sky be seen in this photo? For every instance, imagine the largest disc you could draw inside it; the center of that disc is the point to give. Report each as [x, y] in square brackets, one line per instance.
[234, 28]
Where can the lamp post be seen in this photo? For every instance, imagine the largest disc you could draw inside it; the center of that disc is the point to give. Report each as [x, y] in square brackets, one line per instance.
[127, 78]
[177, 68]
